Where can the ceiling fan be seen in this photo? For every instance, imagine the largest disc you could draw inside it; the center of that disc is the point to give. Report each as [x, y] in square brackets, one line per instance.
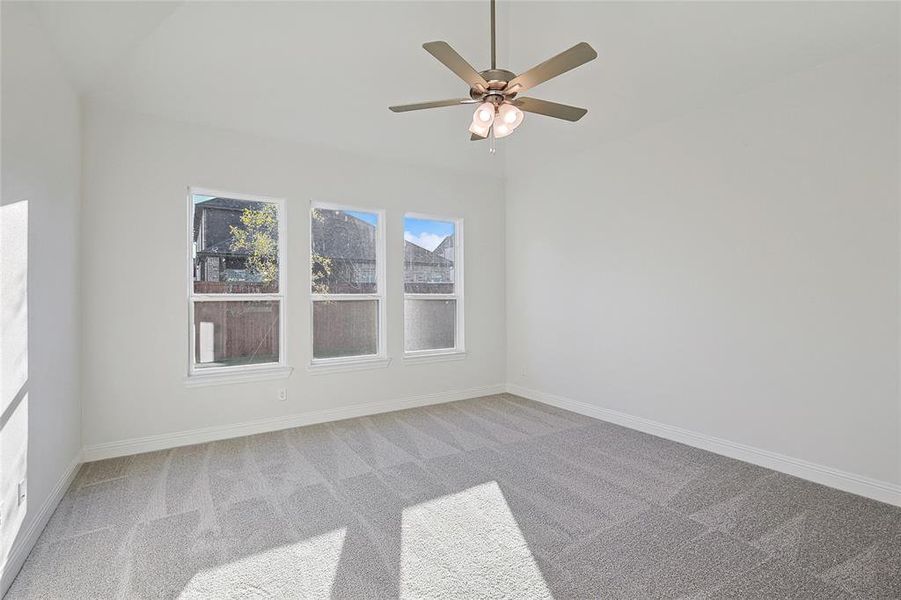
[495, 91]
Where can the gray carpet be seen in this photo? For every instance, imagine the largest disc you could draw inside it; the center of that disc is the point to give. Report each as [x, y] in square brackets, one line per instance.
[487, 498]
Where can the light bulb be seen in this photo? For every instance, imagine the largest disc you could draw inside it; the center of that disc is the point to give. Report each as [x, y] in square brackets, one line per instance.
[510, 115]
[484, 113]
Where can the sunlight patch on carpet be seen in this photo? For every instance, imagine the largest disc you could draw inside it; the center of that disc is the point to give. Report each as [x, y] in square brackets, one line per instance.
[465, 545]
[304, 569]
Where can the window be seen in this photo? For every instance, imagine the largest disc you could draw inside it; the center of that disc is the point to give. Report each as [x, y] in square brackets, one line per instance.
[433, 286]
[347, 280]
[236, 283]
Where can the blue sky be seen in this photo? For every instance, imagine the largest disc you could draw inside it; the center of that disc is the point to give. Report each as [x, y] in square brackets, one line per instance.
[426, 233]
[370, 218]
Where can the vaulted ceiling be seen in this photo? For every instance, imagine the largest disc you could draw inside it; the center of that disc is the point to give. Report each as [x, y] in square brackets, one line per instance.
[325, 72]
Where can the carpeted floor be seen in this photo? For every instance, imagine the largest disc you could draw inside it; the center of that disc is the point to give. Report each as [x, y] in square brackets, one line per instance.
[487, 498]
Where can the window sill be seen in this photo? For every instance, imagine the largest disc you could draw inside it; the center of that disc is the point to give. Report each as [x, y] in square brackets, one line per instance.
[326, 366]
[430, 357]
[237, 376]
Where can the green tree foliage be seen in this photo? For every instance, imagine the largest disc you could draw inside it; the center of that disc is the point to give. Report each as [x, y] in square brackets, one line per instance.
[321, 265]
[258, 237]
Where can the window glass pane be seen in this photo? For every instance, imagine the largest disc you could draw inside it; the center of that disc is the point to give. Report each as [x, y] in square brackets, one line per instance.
[235, 246]
[344, 252]
[345, 328]
[428, 256]
[429, 324]
[235, 333]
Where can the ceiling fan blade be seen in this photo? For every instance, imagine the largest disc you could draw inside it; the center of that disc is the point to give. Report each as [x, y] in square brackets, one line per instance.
[567, 60]
[550, 109]
[453, 61]
[432, 104]
[476, 138]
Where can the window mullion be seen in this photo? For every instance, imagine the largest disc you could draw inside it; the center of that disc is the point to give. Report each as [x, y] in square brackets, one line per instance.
[235, 297]
[344, 297]
[415, 296]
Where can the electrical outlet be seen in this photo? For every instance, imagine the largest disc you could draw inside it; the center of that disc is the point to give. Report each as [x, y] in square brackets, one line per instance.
[282, 394]
[22, 491]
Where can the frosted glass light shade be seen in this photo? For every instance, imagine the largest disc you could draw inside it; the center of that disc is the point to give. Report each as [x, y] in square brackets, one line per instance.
[510, 115]
[501, 129]
[484, 114]
[480, 129]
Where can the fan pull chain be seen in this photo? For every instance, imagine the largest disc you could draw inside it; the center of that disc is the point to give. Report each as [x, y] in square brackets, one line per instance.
[492, 146]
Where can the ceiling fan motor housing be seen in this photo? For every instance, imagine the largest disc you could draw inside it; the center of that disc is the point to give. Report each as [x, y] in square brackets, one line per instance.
[497, 81]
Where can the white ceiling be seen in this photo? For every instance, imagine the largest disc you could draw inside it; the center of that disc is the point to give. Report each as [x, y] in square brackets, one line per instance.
[324, 73]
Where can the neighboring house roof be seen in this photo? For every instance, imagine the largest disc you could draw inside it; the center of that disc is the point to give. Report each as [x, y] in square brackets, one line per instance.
[218, 239]
[446, 248]
[223, 248]
[418, 255]
[339, 235]
[238, 205]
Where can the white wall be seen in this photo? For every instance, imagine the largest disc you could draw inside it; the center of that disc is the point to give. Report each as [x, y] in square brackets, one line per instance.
[136, 172]
[733, 271]
[40, 427]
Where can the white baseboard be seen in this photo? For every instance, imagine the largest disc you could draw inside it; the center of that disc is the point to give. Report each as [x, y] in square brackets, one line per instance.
[23, 545]
[209, 434]
[842, 480]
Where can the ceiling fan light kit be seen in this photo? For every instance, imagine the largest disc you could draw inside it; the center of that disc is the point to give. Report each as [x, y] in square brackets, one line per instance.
[500, 111]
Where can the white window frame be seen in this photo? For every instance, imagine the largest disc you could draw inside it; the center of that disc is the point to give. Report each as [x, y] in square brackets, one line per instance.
[366, 361]
[459, 350]
[239, 373]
